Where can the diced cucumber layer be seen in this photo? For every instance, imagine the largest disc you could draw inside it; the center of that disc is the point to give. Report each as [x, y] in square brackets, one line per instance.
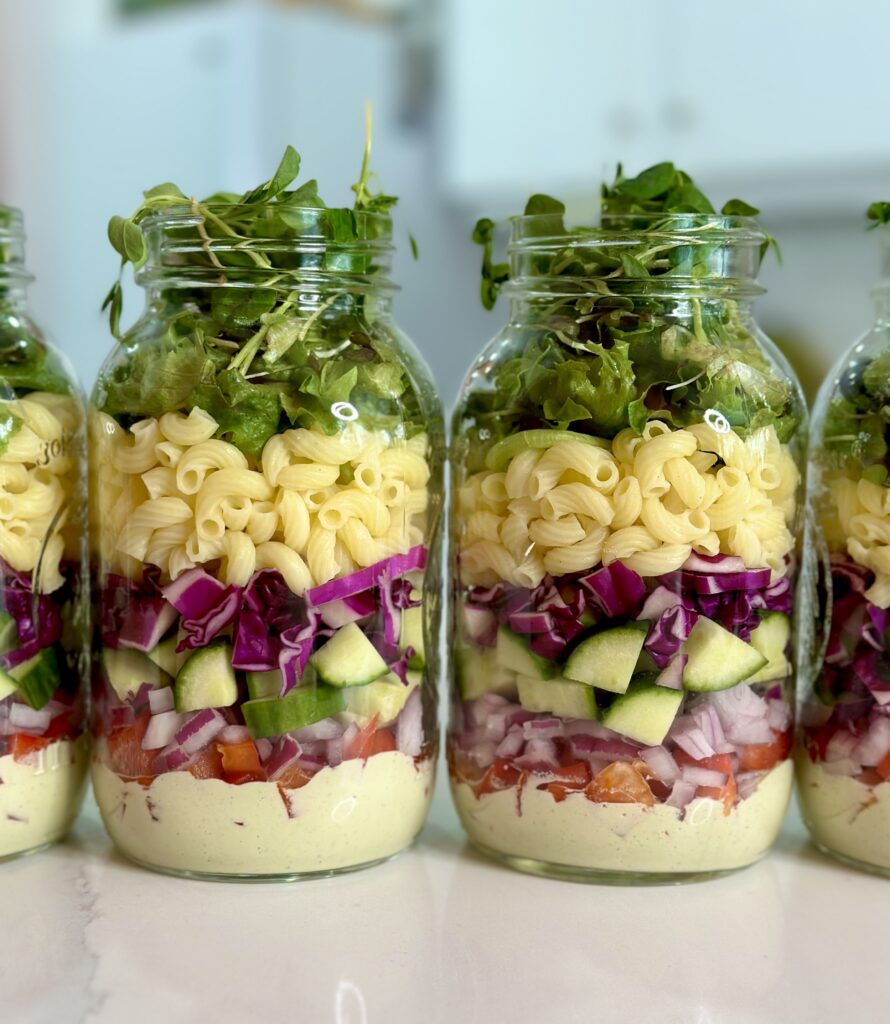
[126, 670]
[504, 451]
[412, 636]
[561, 697]
[207, 679]
[717, 659]
[37, 679]
[384, 698]
[272, 716]
[771, 639]
[515, 654]
[165, 657]
[479, 671]
[608, 659]
[644, 713]
[9, 633]
[349, 659]
[264, 684]
[7, 685]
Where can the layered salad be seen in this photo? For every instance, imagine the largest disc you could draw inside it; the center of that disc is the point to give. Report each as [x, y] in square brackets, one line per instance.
[844, 763]
[624, 557]
[262, 702]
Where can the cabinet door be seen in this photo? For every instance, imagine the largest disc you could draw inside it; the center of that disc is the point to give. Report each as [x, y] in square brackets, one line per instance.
[769, 87]
[536, 95]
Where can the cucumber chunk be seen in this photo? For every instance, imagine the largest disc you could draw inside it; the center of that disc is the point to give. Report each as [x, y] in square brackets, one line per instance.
[514, 653]
[349, 659]
[479, 671]
[412, 636]
[207, 679]
[644, 713]
[608, 659]
[271, 716]
[7, 685]
[500, 454]
[9, 633]
[771, 639]
[717, 659]
[561, 697]
[264, 684]
[127, 669]
[385, 698]
[37, 679]
[165, 657]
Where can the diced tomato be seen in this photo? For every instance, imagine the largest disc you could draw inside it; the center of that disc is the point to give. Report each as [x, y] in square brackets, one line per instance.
[883, 769]
[238, 758]
[293, 777]
[727, 793]
[382, 742]
[620, 783]
[760, 757]
[870, 777]
[360, 743]
[60, 726]
[21, 744]
[716, 762]
[125, 752]
[817, 741]
[503, 774]
[208, 764]
[570, 778]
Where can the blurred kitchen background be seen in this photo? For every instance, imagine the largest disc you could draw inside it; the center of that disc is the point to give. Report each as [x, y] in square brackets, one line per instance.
[477, 103]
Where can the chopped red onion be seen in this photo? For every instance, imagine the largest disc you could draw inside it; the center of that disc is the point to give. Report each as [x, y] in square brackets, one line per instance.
[22, 717]
[672, 675]
[543, 728]
[662, 763]
[539, 755]
[747, 782]
[841, 745]
[844, 766]
[409, 726]
[264, 749]
[480, 624]
[703, 777]
[162, 728]
[682, 794]
[161, 699]
[874, 746]
[511, 745]
[334, 748]
[284, 753]
[199, 730]
[778, 715]
[234, 734]
[326, 729]
[689, 737]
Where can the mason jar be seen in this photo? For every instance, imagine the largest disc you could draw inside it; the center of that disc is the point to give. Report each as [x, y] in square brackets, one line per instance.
[625, 508]
[267, 450]
[43, 610]
[843, 763]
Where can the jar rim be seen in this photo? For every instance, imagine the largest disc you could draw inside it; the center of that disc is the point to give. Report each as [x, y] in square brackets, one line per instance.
[646, 226]
[306, 223]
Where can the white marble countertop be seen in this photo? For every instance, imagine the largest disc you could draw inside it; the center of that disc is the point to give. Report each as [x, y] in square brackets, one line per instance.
[440, 936]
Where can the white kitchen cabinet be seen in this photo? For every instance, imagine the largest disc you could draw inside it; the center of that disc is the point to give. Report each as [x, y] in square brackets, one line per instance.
[550, 96]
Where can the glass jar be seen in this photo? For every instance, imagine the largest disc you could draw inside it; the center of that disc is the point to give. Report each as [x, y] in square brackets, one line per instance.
[267, 448]
[43, 624]
[625, 507]
[843, 762]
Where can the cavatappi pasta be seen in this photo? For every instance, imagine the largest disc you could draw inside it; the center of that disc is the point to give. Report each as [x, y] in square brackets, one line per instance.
[315, 507]
[650, 502]
[858, 523]
[37, 484]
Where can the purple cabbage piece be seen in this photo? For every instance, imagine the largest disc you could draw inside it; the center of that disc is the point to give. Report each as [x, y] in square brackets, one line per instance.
[255, 648]
[618, 591]
[146, 619]
[200, 631]
[269, 596]
[195, 593]
[365, 579]
[668, 634]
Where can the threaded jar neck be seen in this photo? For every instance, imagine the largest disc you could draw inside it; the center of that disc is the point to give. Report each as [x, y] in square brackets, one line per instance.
[14, 278]
[673, 255]
[311, 251]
